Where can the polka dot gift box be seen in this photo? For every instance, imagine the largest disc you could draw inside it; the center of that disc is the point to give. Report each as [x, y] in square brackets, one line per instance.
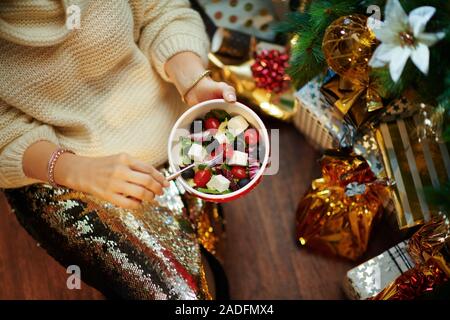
[254, 17]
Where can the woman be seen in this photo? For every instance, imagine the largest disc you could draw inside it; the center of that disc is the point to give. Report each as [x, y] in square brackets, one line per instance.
[88, 111]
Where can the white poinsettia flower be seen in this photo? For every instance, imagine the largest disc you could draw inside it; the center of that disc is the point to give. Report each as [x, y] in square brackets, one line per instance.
[402, 37]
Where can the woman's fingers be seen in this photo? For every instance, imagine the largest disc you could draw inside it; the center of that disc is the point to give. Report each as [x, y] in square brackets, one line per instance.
[123, 202]
[146, 180]
[136, 191]
[159, 177]
[228, 92]
[149, 169]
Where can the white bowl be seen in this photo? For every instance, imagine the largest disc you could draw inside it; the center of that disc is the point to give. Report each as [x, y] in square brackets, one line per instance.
[181, 128]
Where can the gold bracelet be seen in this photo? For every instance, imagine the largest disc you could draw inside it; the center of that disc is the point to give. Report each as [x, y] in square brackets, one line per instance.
[204, 74]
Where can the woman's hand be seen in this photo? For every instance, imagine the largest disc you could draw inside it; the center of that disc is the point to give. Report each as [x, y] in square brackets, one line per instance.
[208, 89]
[184, 68]
[119, 179]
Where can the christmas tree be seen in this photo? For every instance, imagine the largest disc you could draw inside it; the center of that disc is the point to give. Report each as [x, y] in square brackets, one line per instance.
[431, 86]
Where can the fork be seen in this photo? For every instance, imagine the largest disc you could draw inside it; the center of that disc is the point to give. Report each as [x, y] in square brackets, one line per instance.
[209, 163]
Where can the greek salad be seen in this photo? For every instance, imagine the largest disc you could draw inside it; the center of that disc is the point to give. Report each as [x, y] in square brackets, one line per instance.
[235, 139]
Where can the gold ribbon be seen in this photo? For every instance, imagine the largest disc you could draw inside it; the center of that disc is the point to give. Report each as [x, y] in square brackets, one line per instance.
[357, 101]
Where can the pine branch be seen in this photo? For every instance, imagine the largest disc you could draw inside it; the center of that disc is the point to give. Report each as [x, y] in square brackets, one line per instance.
[294, 22]
[307, 59]
[440, 196]
[323, 13]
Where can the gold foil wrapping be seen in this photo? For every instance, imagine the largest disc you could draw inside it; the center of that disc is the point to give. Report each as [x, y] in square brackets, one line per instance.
[280, 105]
[356, 102]
[414, 282]
[413, 165]
[430, 249]
[337, 215]
[209, 224]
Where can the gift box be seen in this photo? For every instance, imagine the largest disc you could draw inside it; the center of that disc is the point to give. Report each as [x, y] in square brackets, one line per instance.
[371, 277]
[414, 166]
[251, 17]
[356, 103]
[429, 248]
[317, 119]
[280, 105]
[336, 216]
[325, 128]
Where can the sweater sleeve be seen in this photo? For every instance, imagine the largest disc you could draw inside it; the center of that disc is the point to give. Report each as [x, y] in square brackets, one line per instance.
[169, 27]
[17, 132]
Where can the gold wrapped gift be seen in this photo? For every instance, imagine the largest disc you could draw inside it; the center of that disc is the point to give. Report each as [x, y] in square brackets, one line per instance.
[278, 105]
[357, 102]
[429, 248]
[413, 165]
[337, 215]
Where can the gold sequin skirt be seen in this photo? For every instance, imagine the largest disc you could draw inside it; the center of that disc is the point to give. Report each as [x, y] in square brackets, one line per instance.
[150, 253]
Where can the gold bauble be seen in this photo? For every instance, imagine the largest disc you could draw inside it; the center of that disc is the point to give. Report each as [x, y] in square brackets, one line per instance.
[348, 45]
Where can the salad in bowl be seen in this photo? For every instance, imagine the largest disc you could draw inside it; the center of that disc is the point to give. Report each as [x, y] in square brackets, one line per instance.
[225, 146]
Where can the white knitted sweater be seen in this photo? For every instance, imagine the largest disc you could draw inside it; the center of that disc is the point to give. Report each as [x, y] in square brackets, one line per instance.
[98, 90]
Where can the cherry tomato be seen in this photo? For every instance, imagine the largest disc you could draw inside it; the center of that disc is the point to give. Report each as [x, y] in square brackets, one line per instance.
[212, 123]
[251, 136]
[239, 172]
[227, 150]
[202, 177]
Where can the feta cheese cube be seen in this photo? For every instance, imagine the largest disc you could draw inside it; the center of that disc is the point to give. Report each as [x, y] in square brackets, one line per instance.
[238, 158]
[219, 183]
[197, 152]
[221, 138]
[237, 125]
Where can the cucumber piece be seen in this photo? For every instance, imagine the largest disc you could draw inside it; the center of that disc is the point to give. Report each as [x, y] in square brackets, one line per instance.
[185, 142]
[186, 160]
[229, 136]
[211, 191]
[222, 127]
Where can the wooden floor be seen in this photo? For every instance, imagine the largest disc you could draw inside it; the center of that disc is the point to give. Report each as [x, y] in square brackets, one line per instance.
[263, 260]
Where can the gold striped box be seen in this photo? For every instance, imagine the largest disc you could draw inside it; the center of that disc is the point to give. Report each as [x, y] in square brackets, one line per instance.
[413, 165]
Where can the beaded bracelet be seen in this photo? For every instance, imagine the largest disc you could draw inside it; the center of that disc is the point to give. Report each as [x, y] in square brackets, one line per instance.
[51, 165]
[203, 75]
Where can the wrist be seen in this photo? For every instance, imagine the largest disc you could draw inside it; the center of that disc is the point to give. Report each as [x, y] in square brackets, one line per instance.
[67, 170]
[183, 69]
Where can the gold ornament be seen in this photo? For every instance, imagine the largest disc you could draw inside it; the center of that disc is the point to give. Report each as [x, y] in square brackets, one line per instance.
[348, 45]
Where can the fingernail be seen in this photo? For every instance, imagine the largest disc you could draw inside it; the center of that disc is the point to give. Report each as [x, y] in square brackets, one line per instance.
[231, 97]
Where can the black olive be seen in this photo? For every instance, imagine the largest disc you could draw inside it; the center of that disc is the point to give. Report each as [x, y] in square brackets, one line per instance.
[188, 174]
[234, 186]
[243, 182]
[239, 144]
[197, 125]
